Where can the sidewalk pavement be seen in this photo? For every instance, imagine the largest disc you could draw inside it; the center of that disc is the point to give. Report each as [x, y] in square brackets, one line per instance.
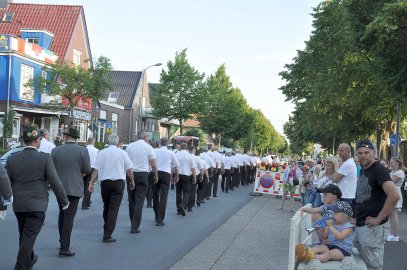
[257, 237]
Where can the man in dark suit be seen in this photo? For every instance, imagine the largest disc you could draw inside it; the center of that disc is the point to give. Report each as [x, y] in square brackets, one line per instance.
[30, 171]
[71, 162]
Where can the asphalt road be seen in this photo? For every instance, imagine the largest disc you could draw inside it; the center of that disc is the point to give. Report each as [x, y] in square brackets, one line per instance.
[154, 248]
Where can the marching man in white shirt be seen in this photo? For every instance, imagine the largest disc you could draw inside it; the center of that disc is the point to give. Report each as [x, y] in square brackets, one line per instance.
[143, 157]
[200, 171]
[93, 152]
[110, 167]
[166, 160]
[46, 146]
[187, 177]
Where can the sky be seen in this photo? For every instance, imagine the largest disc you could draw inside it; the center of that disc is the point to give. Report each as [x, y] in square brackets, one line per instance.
[254, 39]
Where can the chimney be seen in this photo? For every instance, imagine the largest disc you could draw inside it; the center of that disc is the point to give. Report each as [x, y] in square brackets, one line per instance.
[5, 3]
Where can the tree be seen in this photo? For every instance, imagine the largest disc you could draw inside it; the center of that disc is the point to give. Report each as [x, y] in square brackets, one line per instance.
[225, 110]
[181, 91]
[69, 84]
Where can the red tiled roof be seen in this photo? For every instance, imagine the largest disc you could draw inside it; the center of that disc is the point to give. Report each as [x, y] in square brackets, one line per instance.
[191, 123]
[57, 19]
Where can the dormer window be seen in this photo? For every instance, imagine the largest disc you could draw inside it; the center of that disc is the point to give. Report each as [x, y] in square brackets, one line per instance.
[33, 40]
[113, 96]
[7, 17]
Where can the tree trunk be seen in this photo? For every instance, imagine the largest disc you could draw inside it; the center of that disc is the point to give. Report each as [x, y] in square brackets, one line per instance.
[180, 127]
[383, 132]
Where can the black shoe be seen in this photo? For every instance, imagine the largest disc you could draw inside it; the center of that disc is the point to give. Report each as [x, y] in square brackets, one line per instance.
[198, 203]
[66, 253]
[160, 223]
[214, 196]
[135, 231]
[208, 198]
[178, 212]
[109, 240]
[203, 201]
[149, 206]
[226, 191]
[182, 211]
[189, 209]
[85, 207]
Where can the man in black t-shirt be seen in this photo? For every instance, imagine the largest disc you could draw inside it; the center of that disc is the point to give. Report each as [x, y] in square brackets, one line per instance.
[376, 197]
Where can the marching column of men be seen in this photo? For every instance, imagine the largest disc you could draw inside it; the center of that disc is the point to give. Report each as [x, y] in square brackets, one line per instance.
[195, 174]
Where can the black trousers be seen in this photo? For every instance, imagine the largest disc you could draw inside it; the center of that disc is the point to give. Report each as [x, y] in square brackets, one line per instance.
[228, 179]
[245, 175]
[192, 196]
[65, 222]
[137, 197]
[208, 188]
[242, 170]
[86, 193]
[183, 191]
[235, 178]
[215, 182]
[201, 192]
[150, 189]
[160, 195]
[29, 226]
[112, 195]
[222, 183]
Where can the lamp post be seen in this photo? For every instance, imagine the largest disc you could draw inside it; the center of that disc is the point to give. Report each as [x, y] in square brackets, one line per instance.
[142, 90]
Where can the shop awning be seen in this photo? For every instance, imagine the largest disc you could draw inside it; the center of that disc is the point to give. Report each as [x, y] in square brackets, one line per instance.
[38, 110]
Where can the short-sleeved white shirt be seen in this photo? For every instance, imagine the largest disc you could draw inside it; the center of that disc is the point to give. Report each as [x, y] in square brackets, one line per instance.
[140, 154]
[46, 146]
[347, 184]
[400, 175]
[228, 163]
[112, 164]
[165, 159]
[93, 152]
[208, 160]
[186, 161]
[200, 164]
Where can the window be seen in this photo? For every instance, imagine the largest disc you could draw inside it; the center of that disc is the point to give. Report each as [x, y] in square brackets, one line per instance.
[16, 128]
[101, 132]
[7, 17]
[77, 57]
[33, 40]
[102, 115]
[81, 126]
[113, 96]
[26, 92]
[115, 117]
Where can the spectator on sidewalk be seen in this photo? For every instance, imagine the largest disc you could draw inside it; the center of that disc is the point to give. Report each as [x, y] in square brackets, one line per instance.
[30, 171]
[143, 157]
[346, 176]
[376, 198]
[292, 175]
[110, 167]
[397, 176]
[339, 232]
[71, 162]
[331, 166]
[93, 152]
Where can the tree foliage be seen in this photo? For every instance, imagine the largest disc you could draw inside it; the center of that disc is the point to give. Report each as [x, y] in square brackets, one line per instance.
[338, 93]
[65, 81]
[181, 91]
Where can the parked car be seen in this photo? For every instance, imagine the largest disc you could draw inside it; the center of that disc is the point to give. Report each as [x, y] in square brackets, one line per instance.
[12, 151]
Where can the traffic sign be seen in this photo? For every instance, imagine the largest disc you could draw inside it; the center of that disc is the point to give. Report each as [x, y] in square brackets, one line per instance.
[393, 139]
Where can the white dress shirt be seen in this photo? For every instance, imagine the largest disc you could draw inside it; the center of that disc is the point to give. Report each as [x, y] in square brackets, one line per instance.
[93, 152]
[186, 161]
[218, 159]
[235, 162]
[112, 164]
[46, 146]
[200, 164]
[166, 159]
[240, 159]
[140, 154]
[246, 160]
[208, 160]
[228, 163]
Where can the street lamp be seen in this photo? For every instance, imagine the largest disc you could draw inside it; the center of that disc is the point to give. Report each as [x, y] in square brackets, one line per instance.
[142, 90]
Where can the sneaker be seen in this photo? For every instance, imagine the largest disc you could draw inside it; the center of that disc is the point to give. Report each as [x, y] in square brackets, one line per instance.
[392, 238]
